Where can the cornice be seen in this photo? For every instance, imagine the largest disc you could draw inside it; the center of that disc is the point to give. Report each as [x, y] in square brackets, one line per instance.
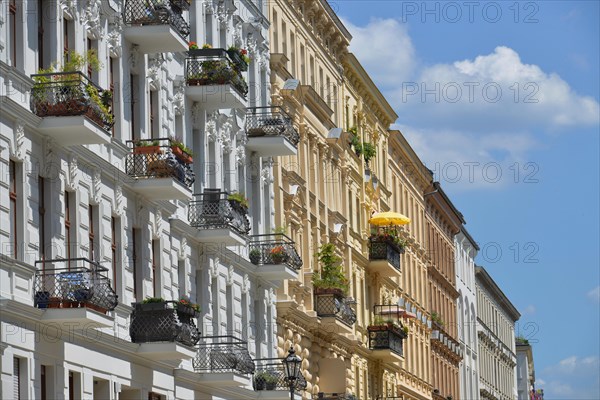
[483, 278]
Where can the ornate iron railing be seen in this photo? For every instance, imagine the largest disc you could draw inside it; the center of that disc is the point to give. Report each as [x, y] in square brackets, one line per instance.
[61, 94]
[163, 322]
[223, 354]
[270, 375]
[213, 67]
[334, 396]
[157, 12]
[386, 337]
[271, 121]
[73, 283]
[274, 249]
[382, 249]
[159, 158]
[334, 305]
[213, 210]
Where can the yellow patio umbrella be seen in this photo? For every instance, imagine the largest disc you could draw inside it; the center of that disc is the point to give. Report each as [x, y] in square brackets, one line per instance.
[388, 218]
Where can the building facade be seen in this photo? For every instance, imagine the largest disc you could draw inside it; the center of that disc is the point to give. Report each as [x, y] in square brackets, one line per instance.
[526, 372]
[496, 317]
[134, 169]
[443, 222]
[465, 252]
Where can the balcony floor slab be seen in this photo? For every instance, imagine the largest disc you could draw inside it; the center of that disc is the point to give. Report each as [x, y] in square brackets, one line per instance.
[165, 351]
[162, 189]
[276, 272]
[266, 146]
[76, 318]
[387, 355]
[155, 38]
[384, 268]
[73, 130]
[214, 97]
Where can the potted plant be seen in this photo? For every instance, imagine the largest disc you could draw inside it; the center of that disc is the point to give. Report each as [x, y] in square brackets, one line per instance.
[355, 142]
[42, 298]
[369, 151]
[331, 279]
[239, 57]
[151, 304]
[265, 380]
[183, 153]
[278, 254]
[238, 201]
[186, 307]
[146, 147]
[255, 256]
[437, 319]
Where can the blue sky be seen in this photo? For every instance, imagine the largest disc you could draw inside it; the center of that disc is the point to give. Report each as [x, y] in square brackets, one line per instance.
[513, 136]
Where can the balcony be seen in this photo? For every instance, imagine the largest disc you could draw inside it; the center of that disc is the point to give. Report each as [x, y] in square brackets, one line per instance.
[218, 218]
[214, 80]
[75, 111]
[384, 255]
[156, 26]
[275, 255]
[161, 169]
[165, 330]
[223, 361]
[336, 311]
[334, 396]
[270, 375]
[386, 333]
[75, 291]
[271, 132]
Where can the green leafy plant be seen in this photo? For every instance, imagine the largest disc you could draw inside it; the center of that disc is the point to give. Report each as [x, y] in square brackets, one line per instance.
[146, 143]
[435, 317]
[238, 197]
[331, 275]
[356, 144]
[389, 236]
[149, 300]
[282, 230]
[177, 142]
[369, 151]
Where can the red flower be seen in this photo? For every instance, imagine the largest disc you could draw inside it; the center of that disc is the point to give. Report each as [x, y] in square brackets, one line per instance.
[243, 52]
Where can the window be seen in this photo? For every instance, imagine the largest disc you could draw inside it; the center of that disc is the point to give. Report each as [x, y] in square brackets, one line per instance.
[275, 34]
[68, 227]
[155, 267]
[114, 250]
[89, 66]
[40, 18]
[12, 23]
[321, 83]
[16, 378]
[66, 39]
[132, 97]
[91, 231]
[14, 209]
[155, 396]
[71, 386]
[293, 53]
[44, 391]
[153, 114]
[283, 38]
[135, 233]
[302, 66]
[111, 87]
[42, 219]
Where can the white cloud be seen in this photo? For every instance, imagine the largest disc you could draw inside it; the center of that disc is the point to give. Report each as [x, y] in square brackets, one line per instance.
[384, 39]
[571, 378]
[594, 294]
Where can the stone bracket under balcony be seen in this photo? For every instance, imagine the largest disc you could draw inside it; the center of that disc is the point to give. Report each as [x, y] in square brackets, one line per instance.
[156, 26]
[214, 81]
[160, 169]
[270, 132]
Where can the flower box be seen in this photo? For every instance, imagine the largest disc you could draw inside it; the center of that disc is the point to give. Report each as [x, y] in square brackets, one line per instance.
[182, 155]
[146, 150]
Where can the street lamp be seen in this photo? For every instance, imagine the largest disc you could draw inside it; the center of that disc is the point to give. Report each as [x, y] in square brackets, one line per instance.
[292, 370]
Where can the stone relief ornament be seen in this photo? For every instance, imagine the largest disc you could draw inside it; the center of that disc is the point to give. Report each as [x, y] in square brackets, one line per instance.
[154, 67]
[72, 175]
[16, 147]
[181, 252]
[158, 224]
[69, 7]
[134, 57]
[119, 199]
[240, 154]
[91, 18]
[97, 186]
[197, 113]
[114, 37]
[212, 133]
[179, 99]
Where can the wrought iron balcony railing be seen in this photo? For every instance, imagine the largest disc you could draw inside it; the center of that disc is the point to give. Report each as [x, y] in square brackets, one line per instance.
[65, 94]
[382, 248]
[159, 158]
[223, 354]
[271, 121]
[334, 396]
[270, 375]
[335, 305]
[213, 67]
[157, 12]
[214, 210]
[274, 249]
[73, 283]
[165, 321]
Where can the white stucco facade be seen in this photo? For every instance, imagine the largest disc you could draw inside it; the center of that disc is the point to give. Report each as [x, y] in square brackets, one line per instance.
[496, 317]
[67, 192]
[465, 252]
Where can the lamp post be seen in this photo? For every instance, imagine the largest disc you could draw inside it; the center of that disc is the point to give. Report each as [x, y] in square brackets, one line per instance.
[292, 370]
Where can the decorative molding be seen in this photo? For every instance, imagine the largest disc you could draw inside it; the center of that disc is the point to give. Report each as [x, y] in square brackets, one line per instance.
[16, 146]
[114, 37]
[240, 154]
[179, 98]
[119, 209]
[158, 225]
[91, 18]
[72, 175]
[134, 56]
[96, 186]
